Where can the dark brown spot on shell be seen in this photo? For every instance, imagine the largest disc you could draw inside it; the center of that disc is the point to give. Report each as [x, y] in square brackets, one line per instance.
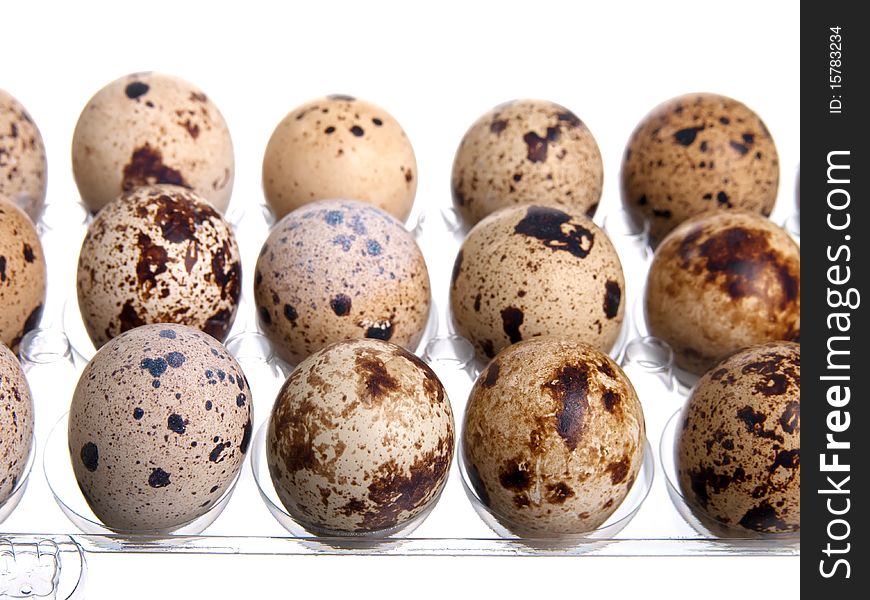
[685, 137]
[763, 518]
[151, 263]
[569, 386]
[569, 118]
[612, 299]
[498, 125]
[706, 480]
[515, 476]
[146, 168]
[556, 230]
[341, 305]
[536, 146]
[179, 218]
[512, 319]
[791, 417]
[611, 400]
[559, 493]
[491, 376]
[375, 380]
[227, 273]
[290, 314]
[128, 318]
[136, 89]
[619, 470]
[787, 459]
[754, 422]
[29, 257]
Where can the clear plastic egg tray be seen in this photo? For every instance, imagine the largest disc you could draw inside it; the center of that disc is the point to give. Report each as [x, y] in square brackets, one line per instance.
[47, 535]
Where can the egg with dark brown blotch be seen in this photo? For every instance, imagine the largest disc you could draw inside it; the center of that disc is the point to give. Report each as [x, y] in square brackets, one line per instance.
[159, 426]
[738, 442]
[158, 254]
[16, 423]
[697, 153]
[151, 128]
[23, 166]
[22, 275]
[527, 152]
[340, 147]
[360, 439]
[721, 282]
[553, 437]
[336, 270]
[532, 271]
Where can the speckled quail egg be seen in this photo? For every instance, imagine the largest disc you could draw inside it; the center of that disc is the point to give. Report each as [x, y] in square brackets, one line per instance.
[16, 422]
[738, 443]
[23, 168]
[158, 428]
[336, 270]
[696, 153]
[531, 271]
[553, 437]
[22, 275]
[721, 282]
[158, 254]
[340, 147]
[149, 128]
[360, 439]
[527, 152]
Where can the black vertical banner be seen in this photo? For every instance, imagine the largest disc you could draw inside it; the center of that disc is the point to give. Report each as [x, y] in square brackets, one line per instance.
[835, 424]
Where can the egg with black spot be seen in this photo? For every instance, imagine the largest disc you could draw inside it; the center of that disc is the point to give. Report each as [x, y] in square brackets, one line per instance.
[151, 128]
[158, 254]
[721, 282]
[340, 147]
[553, 437]
[697, 153]
[360, 439]
[738, 442]
[159, 426]
[527, 152]
[22, 275]
[23, 166]
[16, 423]
[530, 271]
[336, 270]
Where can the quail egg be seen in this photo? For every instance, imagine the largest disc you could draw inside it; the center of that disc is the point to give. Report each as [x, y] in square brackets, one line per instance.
[158, 428]
[527, 152]
[340, 147]
[16, 422]
[149, 128]
[360, 439]
[23, 168]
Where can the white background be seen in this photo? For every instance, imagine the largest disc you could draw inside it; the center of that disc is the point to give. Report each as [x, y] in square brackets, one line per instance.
[436, 67]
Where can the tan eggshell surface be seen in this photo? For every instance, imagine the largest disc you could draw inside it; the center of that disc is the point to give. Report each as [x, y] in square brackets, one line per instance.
[553, 437]
[23, 167]
[527, 152]
[337, 270]
[340, 147]
[158, 428]
[532, 271]
[721, 282]
[149, 128]
[22, 275]
[360, 439]
[158, 254]
[16, 422]
[738, 444]
[696, 153]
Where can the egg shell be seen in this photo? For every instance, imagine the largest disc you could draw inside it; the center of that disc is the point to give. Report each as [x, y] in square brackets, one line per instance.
[16, 422]
[158, 254]
[149, 128]
[23, 167]
[527, 152]
[22, 275]
[553, 437]
[158, 428]
[531, 271]
[738, 443]
[337, 270]
[340, 147]
[696, 153]
[360, 438]
[721, 282]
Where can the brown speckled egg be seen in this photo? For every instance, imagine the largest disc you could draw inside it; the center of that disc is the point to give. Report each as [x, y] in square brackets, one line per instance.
[337, 270]
[721, 282]
[533, 271]
[23, 168]
[738, 442]
[149, 128]
[16, 422]
[158, 254]
[22, 275]
[360, 438]
[553, 437]
[697, 153]
[158, 428]
[340, 147]
[527, 152]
